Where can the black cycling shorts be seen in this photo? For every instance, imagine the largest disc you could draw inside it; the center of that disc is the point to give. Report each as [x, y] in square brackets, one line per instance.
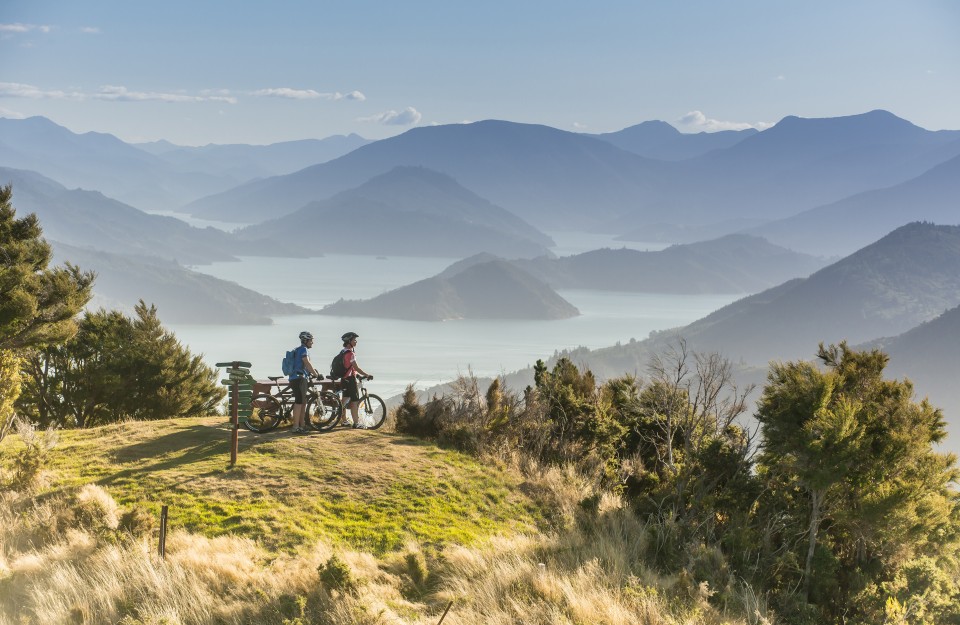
[351, 388]
[299, 386]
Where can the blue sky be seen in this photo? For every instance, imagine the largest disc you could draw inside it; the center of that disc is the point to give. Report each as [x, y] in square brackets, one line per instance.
[209, 71]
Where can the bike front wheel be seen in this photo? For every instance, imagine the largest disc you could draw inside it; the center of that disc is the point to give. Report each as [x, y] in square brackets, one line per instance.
[324, 411]
[373, 412]
[265, 413]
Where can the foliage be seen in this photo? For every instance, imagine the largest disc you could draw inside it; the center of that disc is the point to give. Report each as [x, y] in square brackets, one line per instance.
[37, 303]
[118, 368]
[849, 460]
[9, 388]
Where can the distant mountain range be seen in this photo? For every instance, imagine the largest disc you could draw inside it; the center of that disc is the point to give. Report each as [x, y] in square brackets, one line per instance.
[558, 180]
[90, 219]
[544, 175]
[181, 295]
[406, 211]
[245, 162]
[647, 182]
[491, 289]
[101, 162]
[732, 264]
[661, 141]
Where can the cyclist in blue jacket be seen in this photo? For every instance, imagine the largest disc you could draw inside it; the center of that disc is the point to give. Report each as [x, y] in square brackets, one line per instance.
[300, 380]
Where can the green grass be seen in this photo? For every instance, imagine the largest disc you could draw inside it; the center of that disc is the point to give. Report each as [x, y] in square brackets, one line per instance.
[366, 490]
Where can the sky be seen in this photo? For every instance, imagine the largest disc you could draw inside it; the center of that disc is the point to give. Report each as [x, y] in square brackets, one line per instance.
[195, 72]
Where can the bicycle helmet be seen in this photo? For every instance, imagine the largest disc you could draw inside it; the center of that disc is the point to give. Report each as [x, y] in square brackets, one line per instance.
[306, 336]
[349, 336]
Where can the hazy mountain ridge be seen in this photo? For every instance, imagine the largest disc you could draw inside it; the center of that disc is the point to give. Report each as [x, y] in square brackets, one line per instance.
[243, 162]
[181, 295]
[929, 355]
[853, 222]
[908, 277]
[406, 211]
[90, 219]
[101, 162]
[492, 289]
[541, 174]
[659, 140]
[795, 165]
[730, 264]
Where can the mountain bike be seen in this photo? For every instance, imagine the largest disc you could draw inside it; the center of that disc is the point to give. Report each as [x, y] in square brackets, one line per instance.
[323, 408]
[373, 410]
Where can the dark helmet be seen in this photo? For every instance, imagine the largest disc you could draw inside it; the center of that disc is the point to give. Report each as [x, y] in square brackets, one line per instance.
[306, 336]
[349, 336]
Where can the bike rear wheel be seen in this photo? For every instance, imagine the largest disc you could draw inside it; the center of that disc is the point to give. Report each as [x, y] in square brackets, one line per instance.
[265, 413]
[324, 411]
[373, 412]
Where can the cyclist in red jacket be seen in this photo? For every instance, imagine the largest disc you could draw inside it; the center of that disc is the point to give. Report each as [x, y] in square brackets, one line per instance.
[351, 386]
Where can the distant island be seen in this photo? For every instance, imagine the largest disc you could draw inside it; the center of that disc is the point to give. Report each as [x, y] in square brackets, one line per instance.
[494, 289]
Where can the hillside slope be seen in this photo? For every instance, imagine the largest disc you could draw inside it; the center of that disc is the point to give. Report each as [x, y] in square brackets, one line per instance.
[180, 294]
[92, 220]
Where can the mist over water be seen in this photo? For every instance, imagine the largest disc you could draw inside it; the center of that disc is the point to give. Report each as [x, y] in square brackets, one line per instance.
[401, 352]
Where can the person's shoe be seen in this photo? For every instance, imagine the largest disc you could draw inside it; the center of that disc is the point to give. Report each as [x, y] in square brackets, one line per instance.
[359, 426]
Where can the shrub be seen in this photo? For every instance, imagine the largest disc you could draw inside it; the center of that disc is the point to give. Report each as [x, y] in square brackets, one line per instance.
[30, 461]
[335, 573]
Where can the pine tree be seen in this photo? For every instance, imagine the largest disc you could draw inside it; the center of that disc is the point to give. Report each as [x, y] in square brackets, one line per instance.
[119, 368]
[37, 304]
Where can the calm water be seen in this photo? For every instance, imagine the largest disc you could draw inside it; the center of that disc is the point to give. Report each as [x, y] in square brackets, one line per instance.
[398, 352]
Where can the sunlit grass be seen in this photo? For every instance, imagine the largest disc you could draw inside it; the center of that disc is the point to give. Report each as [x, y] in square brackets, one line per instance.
[366, 490]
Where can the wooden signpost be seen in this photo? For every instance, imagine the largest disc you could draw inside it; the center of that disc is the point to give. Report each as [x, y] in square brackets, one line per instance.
[241, 391]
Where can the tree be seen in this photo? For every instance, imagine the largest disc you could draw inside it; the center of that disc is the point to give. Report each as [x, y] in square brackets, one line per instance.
[118, 368]
[37, 304]
[858, 450]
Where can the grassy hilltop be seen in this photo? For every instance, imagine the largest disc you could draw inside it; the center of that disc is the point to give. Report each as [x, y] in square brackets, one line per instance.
[341, 527]
[361, 489]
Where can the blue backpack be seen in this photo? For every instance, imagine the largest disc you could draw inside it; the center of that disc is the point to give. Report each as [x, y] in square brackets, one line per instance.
[289, 362]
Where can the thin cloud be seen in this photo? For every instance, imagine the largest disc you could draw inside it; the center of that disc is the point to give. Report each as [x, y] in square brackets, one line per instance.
[90, 30]
[112, 93]
[11, 114]
[24, 28]
[21, 90]
[109, 93]
[407, 117]
[307, 94]
[699, 122]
